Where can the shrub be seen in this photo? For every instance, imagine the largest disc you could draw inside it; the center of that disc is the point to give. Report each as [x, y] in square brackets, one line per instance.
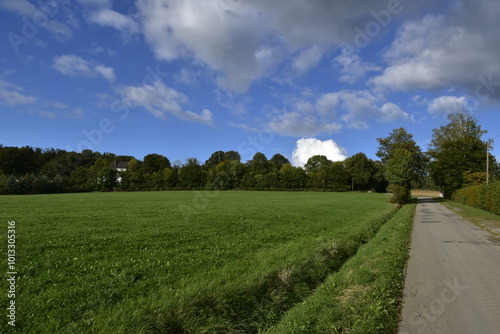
[400, 194]
[480, 196]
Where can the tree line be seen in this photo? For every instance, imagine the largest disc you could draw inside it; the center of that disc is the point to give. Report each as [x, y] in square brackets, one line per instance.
[456, 158]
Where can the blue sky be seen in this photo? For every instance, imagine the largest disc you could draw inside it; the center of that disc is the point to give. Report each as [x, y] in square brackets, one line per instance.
[186, 78]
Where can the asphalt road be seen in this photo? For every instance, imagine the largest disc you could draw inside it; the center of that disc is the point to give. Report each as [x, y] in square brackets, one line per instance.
[453, 275]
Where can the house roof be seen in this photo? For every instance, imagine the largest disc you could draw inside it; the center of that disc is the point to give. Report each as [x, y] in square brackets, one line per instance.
[119, 164]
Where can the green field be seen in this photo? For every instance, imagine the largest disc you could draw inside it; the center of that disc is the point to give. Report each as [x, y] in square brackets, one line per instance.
[180, 262]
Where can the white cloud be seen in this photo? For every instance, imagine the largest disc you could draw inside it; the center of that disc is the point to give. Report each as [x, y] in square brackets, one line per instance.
[108, 17]
[299, 124]
[448, 104]
[242, 41]
[391, 112]
[353, 67]
[76, 66]
[328, 113]
[12, 95]
[161, 100]
[455, 49]
[327, 103]
[308, 59]
[308, 147]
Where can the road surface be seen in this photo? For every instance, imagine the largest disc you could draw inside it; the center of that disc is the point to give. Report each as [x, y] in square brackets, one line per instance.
[453, 276]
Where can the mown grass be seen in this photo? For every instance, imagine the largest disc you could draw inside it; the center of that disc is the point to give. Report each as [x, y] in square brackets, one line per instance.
[173, 262]
[364, 296]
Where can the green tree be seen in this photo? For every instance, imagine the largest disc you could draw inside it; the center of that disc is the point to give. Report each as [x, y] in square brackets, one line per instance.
[293, 177]
[79, 179]
[259, 164]
[192, 175]
[215, 159]
[232, 155]
[400, 140]
[456, 151]
[340, 177]
[134, 178]
[360, 168]
[278, 161]
[154, 163]
[315, 162]
[103, 175]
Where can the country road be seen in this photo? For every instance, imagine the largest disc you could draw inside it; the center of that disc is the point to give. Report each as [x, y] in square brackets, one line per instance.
[453, 276]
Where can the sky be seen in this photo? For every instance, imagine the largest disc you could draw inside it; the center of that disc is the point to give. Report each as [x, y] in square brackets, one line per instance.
[186, 78]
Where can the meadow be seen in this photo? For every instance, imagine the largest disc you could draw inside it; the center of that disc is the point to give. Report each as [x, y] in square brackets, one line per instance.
[189, 262]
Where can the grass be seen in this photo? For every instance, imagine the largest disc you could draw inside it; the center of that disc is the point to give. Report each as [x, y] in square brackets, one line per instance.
[174, 262]
[364, 296]
[484, 219]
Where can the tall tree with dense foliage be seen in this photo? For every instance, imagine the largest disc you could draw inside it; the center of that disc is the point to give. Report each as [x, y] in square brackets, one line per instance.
[192, 175]
[154, 163]
[360, 168]
[278, 161]
[404, 162]
[457, 150]
[400, 140]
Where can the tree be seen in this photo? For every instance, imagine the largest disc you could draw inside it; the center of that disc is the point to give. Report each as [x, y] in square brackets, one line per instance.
[360, 168]
[457, 151]
[399, 168]
[315, 162]
[340, 177]
[232, 155]
[215, 159]
[191, 174]
[392, 147]
[293, 177]
[226, 175]
[104, 176]
[154, 163]
[278, 161]
[259, 164]
[134, 178]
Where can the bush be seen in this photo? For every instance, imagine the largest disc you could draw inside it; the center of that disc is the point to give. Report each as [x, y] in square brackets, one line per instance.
[481, 196]
[400, 195]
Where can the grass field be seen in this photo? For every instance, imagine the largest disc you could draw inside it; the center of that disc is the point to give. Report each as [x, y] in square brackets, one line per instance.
[175, 262]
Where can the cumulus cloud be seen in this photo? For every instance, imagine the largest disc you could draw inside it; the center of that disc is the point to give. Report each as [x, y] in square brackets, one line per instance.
[458, 48]
[75, 66]
[362, 106]
[391, 112]
[298, 124]
[308, 147]
[448, 104]
[161, 101]
[242, 41]
[329, 113]
[12, 95]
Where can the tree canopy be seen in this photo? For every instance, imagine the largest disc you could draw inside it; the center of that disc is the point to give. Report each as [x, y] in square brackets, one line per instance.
[458, 158]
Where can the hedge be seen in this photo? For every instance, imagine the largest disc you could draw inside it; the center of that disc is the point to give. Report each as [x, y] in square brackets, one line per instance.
[484, 197]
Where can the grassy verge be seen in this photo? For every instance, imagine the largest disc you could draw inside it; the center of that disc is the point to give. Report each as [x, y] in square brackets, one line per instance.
[484, 219]
[364, 296]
